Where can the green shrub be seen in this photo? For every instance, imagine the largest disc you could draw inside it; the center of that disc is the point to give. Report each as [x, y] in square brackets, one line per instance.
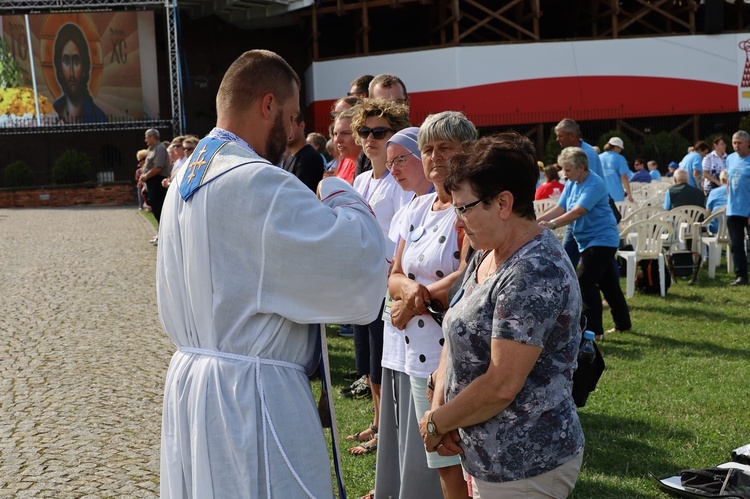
[72, 167]
[664, 147]
[18, 174]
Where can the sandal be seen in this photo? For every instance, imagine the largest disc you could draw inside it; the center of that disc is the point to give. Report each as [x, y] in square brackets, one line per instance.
[360, 435]
[369, 495]
[364, 448]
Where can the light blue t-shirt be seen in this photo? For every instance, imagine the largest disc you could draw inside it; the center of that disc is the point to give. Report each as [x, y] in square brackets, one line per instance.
[715, 200]
[595, 164]
[655, 175]
[692, 161]
[614, 167]
[738, 195]
[598, 226]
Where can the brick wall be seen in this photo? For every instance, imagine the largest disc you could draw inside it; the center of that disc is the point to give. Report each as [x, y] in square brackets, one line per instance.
[109, 194]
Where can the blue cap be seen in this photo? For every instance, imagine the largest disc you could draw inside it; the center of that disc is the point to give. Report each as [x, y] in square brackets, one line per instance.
[673, 165]
[588, 335]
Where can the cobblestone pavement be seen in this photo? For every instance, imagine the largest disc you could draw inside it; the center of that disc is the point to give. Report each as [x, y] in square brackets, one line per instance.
[82, 354]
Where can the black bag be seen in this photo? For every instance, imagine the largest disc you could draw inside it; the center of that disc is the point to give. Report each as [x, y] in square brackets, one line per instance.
[586, 376]
[717, 482]
[647, 278]
[684, 264]
[615, 211]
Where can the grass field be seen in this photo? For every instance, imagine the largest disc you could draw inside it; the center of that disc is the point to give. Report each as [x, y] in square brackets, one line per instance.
[675, 394]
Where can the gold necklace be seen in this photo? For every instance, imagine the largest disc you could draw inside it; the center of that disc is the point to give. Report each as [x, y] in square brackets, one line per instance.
[508, 251]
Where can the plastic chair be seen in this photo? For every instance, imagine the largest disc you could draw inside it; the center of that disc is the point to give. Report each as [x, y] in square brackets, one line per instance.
[676, 219]
[693, 213]
[639, 215]
[649, 237]
[626, 207]
[543, 205]
[714, 242]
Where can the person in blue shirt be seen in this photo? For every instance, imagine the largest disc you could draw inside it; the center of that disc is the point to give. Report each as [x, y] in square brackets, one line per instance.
[616, 170]
[584, 205]
[738, 203]
[693, 163]
[641, 174]
[653, 170]
[568, 134]
[717, 198]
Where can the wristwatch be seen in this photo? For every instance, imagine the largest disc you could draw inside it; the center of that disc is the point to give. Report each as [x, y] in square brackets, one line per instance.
[431, 427]
[554, 224]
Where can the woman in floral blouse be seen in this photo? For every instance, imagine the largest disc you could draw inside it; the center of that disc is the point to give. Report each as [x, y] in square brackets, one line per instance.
[503, 389]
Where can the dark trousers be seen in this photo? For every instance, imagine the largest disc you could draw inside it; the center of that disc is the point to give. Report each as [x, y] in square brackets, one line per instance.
[737, 227]
[596, 273]
[368, 348]
[571, 246]
[155, 194]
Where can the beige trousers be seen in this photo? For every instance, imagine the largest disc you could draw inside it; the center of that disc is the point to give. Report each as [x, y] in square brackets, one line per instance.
[556, 484]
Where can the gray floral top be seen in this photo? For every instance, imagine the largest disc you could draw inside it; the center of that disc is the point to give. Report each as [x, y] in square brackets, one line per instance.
[533, 298]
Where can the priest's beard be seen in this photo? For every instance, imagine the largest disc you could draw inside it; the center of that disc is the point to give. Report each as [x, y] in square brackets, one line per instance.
[277, 140]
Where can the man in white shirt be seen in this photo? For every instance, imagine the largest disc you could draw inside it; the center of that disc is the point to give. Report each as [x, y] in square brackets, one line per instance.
[245, 249]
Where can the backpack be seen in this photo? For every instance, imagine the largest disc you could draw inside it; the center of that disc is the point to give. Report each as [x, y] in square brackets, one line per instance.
[647, 277]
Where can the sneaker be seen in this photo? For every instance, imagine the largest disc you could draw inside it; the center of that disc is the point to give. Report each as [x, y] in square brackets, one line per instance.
[351, 376]
[361, 391]
[740, 281]
[155, 241]
[346, 331]
[359, 384]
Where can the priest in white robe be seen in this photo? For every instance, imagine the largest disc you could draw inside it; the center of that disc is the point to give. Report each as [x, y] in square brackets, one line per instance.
[249, 262]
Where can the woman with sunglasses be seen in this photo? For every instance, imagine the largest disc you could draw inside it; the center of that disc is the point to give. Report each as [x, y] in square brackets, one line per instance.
[426, 264]
[374, 122]
[503, 390]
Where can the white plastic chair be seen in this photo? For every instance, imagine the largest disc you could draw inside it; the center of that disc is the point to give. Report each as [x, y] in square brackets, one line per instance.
[714, 242]
[693, 213]
[626, 207]
[543, 205]
[649, 236]
[639, 215]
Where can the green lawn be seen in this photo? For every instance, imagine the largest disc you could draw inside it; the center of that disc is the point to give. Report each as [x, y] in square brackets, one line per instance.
[675, 393]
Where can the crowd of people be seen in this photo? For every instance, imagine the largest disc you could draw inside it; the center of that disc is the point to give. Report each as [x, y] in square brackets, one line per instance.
[467, 312]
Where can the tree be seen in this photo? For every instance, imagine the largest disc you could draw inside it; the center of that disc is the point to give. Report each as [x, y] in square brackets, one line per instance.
[664, 147]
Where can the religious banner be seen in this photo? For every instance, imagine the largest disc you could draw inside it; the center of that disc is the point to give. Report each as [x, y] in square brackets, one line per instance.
[84, 68]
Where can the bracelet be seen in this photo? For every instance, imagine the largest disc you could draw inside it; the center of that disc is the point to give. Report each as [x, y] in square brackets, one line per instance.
[430, 383]
[554, 224]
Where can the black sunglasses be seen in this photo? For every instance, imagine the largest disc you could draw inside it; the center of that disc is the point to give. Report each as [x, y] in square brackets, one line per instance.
[190, 149]
[379, 132]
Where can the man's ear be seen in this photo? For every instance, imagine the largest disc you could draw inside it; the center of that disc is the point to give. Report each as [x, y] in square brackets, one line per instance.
[267, 103]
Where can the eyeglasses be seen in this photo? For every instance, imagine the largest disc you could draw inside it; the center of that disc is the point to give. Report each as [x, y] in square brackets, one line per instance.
[379, 132]
[398, 161]
[461, 210]
[190, 149]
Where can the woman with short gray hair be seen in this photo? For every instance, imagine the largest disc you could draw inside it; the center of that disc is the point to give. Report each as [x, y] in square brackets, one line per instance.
[584, 203]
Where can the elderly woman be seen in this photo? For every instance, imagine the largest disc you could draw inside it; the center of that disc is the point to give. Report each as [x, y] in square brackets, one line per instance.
[512, 335]
[427, 262]
[401, 469]
[374, 123]
[585, 204]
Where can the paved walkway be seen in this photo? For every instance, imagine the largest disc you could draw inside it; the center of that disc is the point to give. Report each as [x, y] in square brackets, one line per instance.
[82, 354]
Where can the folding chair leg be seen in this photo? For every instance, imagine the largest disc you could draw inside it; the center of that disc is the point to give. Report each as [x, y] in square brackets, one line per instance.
[630, 279]
[662, 280]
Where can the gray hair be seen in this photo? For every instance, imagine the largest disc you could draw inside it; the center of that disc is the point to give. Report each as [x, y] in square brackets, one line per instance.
[742, 134]
[680, 176]
[570, 126]
[451, 126]
[152, 132]
[573, 157]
